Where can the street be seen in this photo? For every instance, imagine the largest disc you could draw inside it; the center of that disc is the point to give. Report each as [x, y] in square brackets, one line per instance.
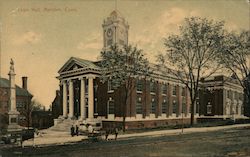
[229, 142]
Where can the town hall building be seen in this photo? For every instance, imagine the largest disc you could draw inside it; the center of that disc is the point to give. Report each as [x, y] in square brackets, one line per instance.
[161, 102]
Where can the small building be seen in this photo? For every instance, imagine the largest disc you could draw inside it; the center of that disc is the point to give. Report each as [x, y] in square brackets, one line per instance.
[57, 105]
[23, 100]
[221, 96]
[42, 119]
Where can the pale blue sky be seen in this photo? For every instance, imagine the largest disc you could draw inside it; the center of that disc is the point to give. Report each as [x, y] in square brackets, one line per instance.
[41, 35]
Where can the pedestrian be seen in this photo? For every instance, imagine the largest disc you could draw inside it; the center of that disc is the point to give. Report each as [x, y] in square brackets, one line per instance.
[72, 129]
[116, 133]
[77, 130]
[106, 134]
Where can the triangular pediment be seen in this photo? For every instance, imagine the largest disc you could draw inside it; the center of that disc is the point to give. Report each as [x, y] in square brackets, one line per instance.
[72, 64]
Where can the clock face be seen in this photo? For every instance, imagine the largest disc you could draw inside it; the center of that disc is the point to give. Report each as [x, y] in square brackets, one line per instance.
[109, 32]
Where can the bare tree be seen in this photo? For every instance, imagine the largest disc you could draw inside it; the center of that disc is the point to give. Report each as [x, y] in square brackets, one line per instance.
[193, 53]
[32, 105]
[236, 59]
[123, 66]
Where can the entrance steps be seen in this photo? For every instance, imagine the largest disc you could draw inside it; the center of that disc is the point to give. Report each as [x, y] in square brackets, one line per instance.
[63, 125]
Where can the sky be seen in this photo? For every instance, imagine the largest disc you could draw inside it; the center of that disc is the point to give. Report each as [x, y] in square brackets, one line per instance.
[41, 36]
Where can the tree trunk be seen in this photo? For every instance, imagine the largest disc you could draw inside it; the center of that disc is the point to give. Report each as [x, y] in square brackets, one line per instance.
[192, 114]
[124, 112]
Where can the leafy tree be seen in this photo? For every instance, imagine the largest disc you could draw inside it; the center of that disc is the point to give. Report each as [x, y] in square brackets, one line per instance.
[193, 53]
[236, 59]
[123, 65]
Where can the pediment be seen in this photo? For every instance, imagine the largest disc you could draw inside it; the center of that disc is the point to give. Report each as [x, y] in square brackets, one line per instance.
[73, 64]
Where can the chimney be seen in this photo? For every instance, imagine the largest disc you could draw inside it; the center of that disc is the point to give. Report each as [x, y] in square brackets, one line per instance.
[24, 78]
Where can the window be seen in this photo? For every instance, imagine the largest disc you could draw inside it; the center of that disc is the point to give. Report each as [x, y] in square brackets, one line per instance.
[164, 89]
[229, 94]
[152, 87]
[237, 110]
[174, 107]
[111, 106]
[236, 96]
[183, 92]
[110, 85]
[110, 42]
[209, 108]
[121, 42]
[139, 85]
[190, 108]
[139, 106]
[174, 90]
[153, 106]
[164, 106]
[184, 107]
[197, 106]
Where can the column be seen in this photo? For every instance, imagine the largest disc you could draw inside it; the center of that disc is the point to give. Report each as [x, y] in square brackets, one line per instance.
[83, 103]
[91, 97]
[71, 99]
[64, 98]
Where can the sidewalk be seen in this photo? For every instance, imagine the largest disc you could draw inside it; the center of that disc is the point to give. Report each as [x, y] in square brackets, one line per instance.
[58, 138]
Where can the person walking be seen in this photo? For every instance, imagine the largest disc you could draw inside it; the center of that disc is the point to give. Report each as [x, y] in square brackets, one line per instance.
[77, 130]
[106, 134]
[72, 129]
[116, 133]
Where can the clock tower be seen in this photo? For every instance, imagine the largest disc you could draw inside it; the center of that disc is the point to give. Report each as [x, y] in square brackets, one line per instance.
[115, 30]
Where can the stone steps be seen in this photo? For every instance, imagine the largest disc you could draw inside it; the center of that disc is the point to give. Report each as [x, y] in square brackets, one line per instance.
[63, 126]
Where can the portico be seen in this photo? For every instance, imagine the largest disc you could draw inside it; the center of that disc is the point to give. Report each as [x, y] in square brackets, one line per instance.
[69, 97]
[77, 80]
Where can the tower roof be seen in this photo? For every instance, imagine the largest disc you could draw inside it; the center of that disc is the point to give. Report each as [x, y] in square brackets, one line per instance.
[116, 13]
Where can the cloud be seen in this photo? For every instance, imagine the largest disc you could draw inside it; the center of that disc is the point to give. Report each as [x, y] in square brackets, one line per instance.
[94, 41]
[29, 37]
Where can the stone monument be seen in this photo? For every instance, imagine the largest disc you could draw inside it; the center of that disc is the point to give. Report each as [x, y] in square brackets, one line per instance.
[13, 113]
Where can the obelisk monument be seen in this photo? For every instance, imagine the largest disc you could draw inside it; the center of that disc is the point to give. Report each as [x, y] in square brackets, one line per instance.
[13, 113]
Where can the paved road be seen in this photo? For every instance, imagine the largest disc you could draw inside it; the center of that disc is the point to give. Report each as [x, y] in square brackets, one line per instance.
[232, 142]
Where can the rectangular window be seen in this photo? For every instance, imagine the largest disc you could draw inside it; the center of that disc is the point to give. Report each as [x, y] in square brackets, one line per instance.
[164, 89]
[139, 85]
[153, 106]
[197, 107]
[183, 92]
[139, 106]
[236, 97]
[164, 106]
[111, 107]
[184, 107]
[209, 108]
[174, 107]
[110, 85]
[174, 90]
[152, 87]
